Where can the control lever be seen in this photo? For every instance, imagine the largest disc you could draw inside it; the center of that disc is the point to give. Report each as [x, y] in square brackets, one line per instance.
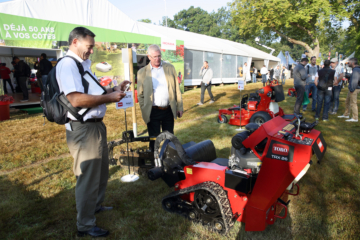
[298, 128]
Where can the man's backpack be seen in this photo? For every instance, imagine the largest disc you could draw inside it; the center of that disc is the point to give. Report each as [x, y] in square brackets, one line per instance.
[27, 70]
[55, 104]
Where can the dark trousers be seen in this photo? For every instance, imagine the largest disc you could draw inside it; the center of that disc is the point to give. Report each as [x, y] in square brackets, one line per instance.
[160, 118]
[299, 98]
[283, 79]
[22, 82]
[311, 87]
[208, 87]
[334, 104]
[323, 96]
[8, 81]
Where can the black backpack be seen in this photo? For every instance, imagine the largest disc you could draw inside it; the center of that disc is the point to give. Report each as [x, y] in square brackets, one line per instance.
[55, 105]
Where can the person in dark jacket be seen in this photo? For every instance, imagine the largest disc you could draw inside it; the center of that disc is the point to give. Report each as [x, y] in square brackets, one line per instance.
[324, 86]
[271, 74]
[300, 76]
[22, 71]
[354, 89]
[44, 67]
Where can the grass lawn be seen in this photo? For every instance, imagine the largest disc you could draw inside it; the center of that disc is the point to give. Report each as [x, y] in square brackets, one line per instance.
[37, 197]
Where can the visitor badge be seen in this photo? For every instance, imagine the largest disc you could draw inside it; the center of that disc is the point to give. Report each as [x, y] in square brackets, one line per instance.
[329, 88]
[313, 78]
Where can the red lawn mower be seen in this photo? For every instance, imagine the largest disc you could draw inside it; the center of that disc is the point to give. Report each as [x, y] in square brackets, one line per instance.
[258, 108]
[252, 186]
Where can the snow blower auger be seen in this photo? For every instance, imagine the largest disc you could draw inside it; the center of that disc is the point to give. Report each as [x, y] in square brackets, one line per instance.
[252, 186]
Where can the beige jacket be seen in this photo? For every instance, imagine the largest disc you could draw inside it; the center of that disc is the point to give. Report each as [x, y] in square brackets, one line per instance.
[145, 90]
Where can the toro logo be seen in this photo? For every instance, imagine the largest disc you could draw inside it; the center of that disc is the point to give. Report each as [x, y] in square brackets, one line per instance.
[280, 149]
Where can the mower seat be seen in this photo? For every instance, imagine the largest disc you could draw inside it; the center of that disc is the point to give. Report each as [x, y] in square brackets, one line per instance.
[221, 161]
[254, 97]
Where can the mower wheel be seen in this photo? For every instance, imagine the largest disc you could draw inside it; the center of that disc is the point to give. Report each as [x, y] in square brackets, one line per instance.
[224, 119]
[260, 118]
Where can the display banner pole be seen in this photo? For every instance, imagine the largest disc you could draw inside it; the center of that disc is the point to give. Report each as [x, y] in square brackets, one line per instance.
[240, 87]
[132, 87]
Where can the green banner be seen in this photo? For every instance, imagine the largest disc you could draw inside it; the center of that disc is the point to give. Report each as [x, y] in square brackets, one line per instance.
[37, 33]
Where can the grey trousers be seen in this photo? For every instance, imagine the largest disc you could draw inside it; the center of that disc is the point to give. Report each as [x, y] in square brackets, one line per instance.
[88, 146]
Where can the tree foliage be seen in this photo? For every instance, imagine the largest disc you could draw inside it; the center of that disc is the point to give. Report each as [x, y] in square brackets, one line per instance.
[145, 20]
[299, 22]
[215, 24]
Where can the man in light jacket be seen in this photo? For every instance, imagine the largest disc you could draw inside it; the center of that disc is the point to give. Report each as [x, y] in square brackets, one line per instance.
[159, 94]
[206, 74]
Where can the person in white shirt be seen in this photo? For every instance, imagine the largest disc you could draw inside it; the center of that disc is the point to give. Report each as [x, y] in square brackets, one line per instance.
[87, 141]
[263, 72]
[206, 74]
[159, 94]
[339, 74]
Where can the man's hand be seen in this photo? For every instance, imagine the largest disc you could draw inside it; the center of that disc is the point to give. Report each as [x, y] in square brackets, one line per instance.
[208, 82]
[202, 67]
[121, 87]
[116, 96]
[179, 114]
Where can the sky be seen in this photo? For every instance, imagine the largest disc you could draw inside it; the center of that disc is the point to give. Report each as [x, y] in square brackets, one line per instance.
[155, 9]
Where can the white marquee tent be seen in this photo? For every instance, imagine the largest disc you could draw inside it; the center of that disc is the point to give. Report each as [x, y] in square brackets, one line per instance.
[226, 57]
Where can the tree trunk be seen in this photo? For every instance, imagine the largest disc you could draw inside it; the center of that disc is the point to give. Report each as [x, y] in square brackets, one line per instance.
[311, 52]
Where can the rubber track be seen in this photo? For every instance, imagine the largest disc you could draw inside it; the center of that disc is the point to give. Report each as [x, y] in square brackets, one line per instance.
[217, 191]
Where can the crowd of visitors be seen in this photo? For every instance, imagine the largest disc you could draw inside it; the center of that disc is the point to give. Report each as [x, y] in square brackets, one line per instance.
[325, 84]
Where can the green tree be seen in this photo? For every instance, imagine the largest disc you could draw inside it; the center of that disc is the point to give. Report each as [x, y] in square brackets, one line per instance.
[146, 20]
[298, 22]
[194, 20]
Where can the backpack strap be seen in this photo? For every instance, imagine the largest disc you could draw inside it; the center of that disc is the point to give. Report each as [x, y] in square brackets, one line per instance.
[62, 99]
[81, 71]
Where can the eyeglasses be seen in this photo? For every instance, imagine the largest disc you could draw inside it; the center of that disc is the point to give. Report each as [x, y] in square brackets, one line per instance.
[156, 57]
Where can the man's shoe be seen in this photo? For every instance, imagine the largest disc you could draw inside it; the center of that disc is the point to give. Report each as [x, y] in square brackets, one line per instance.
[304, 109]
[24, 100]
[102, 209]
[200, 103]
[94, 232]
[316, 119]
[211, 102]
[333, 113]
[351, 120]
[325, 120]
[343, 116]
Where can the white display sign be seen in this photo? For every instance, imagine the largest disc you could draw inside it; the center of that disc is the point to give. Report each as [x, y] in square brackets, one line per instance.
[241, 85]
[126, 102]
[168, 44]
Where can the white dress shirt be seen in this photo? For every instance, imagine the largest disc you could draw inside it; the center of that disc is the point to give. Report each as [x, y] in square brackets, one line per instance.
[69, 80]
[160, 87]
[263, 71]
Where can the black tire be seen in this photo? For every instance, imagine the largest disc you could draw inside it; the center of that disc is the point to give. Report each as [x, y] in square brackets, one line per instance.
[224, 119]
[260, 118]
